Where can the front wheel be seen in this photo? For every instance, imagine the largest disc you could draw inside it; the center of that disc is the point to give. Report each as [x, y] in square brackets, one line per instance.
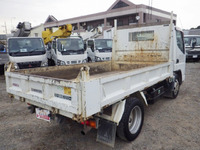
[89, 60]
[132, 119]
[176, 87]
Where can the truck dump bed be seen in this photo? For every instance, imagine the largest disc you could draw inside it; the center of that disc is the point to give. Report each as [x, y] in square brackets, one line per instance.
[71, 72]
[140, 59]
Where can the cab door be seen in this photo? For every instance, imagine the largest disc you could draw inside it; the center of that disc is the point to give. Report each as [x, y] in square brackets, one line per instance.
[180, 57]
[90, 50]
[53, 51]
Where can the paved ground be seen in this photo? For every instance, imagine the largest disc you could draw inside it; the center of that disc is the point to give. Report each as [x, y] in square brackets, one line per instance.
[168, 124]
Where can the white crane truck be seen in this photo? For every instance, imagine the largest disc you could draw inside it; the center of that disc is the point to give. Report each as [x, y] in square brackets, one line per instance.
[99, 50]
[147, 62]
[64, 49]
[26, 52]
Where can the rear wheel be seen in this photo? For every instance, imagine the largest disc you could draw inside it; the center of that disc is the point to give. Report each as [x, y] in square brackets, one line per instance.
[132, 119]
[31, 109]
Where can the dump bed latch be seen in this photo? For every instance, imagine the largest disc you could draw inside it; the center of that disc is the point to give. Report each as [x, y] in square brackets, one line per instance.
[84, 74]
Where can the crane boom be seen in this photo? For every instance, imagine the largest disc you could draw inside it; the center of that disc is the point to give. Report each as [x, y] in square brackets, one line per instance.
[23, 29]
[62, 32]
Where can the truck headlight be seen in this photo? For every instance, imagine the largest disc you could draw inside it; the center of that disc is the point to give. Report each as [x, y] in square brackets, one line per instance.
[60, 62]
[97, 58]
[84, 61]
[44, 64]
[16, 66]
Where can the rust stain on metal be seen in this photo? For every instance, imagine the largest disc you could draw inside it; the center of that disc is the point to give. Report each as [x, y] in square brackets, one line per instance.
[136, 55]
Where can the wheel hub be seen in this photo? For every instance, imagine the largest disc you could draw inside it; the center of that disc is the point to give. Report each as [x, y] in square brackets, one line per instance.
[135, 119]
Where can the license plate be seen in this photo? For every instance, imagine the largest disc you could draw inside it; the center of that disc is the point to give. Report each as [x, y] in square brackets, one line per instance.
[194, 56]
[42, 114]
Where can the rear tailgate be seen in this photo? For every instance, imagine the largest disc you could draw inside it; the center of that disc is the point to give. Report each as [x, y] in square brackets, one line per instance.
[59, 96]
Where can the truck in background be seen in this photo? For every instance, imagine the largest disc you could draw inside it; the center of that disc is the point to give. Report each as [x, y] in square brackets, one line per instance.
[66, 51]
[23, 29]
[192, 46]
[99, 49]
[3, 57]
[147, 62]
[63, 49]
[26, 52]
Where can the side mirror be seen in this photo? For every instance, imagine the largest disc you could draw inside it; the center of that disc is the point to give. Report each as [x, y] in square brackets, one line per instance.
[48, 46]
[92, 48]
[85, 46]
[194, 44]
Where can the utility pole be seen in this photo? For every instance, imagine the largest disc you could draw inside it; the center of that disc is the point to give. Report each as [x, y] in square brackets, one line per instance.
[5, 27]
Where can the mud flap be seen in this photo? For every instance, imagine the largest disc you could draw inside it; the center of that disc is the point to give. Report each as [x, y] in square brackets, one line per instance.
[106, 132]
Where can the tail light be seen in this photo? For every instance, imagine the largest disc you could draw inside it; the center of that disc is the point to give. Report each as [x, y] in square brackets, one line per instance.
[91, 123]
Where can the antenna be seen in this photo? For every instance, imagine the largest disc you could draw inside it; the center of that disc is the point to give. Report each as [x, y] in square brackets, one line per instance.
[148, 9]
[151, 8]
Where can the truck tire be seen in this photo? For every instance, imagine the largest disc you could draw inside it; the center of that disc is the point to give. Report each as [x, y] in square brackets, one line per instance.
[89, 60]
[31, 109]
[51, 62]
[176, 88]
[132, 119]
[1, 69]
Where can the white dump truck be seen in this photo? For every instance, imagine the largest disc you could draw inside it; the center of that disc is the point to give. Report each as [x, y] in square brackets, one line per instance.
[147, 62]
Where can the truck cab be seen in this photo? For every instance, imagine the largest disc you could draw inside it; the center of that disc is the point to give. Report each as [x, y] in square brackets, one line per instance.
[99, 50]
[66, 51]
[192, 46]
[27, 52]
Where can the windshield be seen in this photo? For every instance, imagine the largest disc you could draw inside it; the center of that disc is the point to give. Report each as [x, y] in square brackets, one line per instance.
[192, 41]
[70, 44]
[25, 46]
[102, 44]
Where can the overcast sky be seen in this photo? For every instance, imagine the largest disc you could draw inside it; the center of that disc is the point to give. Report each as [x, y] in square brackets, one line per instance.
[37, 11]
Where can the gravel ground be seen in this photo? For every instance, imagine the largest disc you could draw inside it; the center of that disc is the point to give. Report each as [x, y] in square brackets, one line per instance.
[168, 124]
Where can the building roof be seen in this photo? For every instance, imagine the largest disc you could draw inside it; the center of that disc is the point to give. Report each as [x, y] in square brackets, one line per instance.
[118, 8]
[120, 4]
[50, 18]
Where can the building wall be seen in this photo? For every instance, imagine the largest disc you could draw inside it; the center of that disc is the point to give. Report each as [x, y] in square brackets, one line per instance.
[192, 32]
[37, 31]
